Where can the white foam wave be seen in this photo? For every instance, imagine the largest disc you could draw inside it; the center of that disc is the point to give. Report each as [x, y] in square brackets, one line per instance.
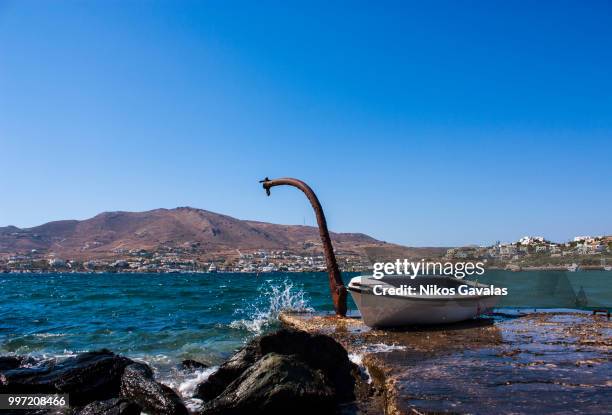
[188, 386]
[357, 358]
[46, 335]
[61, 356]
[272, 300]
[155, 360]
[186, 382]
[383, 348]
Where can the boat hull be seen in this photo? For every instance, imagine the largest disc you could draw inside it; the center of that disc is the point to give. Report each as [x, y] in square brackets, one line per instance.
[396, 311]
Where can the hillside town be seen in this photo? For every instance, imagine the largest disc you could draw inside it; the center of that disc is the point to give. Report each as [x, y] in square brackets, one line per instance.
[588, 252]
[174, 260]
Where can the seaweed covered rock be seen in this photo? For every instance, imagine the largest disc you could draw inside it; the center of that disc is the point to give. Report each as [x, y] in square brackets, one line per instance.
[113, 406]
[139, 386]
[318, 353]
[88, 377]
[275, 384]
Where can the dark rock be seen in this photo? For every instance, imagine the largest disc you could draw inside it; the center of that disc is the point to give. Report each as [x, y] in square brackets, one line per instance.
[10, 362]
[276, 384]
[193, 364]
[88, 377]
[138, 385]
[113, 406]
[317, 351]
[228, 372]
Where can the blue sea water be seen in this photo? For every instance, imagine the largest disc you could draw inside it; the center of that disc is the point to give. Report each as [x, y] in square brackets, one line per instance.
[206, 316]
[157, 318]
[151, 316]
[165, 318]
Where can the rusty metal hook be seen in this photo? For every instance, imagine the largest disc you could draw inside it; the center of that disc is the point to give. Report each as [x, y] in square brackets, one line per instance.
[336, 286]
[267, 188]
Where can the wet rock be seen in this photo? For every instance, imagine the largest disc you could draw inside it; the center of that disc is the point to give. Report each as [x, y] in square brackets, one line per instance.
[228, 372]
[275, 384]
[34, 412]
[138, 385]
[10, 362]
[88, 377]
[474, 368]
[193, 364]
[110, 407]
[317, 351]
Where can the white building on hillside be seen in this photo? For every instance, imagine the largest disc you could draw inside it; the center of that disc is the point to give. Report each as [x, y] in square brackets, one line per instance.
[528, 240]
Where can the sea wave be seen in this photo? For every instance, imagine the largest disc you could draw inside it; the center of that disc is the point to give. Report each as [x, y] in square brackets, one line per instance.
[185, 382]
[273, 299]
[46, 335]
[383, 348]
[357, 357]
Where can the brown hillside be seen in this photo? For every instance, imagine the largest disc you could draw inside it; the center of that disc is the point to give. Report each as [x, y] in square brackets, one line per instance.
[110, 232]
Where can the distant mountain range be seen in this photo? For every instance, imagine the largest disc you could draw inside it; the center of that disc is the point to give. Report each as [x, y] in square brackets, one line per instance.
[111, 232]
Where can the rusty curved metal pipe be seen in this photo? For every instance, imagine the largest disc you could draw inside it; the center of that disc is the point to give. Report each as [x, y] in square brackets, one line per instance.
[336, 286]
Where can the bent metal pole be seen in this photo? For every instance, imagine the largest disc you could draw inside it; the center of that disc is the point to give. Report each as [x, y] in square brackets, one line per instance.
[336, 286]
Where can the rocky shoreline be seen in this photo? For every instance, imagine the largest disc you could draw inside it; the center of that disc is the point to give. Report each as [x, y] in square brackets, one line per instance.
[488, 365]
[504, 363]
[287, 370]
[98, 382]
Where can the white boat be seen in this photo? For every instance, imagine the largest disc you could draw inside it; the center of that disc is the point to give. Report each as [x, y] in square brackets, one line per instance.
[573, 267]
[417, 309]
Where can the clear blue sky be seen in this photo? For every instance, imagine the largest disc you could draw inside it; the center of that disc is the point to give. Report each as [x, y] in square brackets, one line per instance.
[424, 124]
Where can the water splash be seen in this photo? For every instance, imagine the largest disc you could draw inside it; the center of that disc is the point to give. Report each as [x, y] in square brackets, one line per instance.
[185, 382]
[357, 358]
[273, 299]
[383, 348]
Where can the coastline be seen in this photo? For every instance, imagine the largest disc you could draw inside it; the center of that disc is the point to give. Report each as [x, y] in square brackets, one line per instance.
[174, 318]
[362, 270]
[499, 361]
[546, 268]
